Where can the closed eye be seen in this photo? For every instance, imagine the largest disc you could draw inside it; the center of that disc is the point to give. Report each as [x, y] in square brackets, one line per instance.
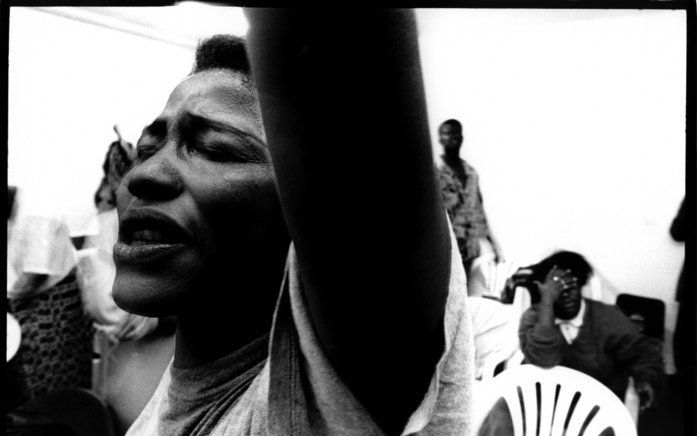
[226, 148]
[146, 149]
[151, 139]
[221, 143]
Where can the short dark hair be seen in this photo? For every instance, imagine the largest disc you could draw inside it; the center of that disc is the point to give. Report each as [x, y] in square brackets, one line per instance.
[455, 124]
[570, 260]
[228, 52]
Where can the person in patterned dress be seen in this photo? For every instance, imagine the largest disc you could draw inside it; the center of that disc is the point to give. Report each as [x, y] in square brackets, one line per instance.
[462, 196]
[43, 294]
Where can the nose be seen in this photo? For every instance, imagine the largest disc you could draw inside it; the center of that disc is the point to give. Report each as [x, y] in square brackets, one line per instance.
[156, 178]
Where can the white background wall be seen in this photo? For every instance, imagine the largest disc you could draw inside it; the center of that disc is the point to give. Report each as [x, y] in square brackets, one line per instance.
[70, 81]
[575, 121]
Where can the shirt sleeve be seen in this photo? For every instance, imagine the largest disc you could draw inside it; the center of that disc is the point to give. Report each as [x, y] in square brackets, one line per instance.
[540, 344]
[449, 191]
[445, 407]
[46, 247]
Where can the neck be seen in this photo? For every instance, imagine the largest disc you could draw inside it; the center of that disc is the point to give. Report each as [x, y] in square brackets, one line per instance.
[196, 345]
[208, 332]
[450, 155]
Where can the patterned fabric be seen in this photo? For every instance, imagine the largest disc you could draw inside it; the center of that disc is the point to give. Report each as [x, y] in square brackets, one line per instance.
[465, 209]
[56, 347]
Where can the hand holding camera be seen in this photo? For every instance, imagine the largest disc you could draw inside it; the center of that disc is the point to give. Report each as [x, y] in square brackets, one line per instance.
[522, 277]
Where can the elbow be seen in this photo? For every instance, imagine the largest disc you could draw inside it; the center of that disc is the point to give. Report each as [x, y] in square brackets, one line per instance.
[543, 360]
[547, 363]
[544, 357]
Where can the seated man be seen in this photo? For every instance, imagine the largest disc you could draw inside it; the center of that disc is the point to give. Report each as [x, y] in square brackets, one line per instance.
[586, 335]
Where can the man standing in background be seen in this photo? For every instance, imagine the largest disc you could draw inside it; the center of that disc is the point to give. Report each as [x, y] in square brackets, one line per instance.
[462, 196]
[682, 350]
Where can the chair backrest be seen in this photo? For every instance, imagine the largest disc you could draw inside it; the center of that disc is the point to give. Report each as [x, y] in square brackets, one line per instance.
[488, 277]
[494, 365]
[14, 337]
[651, 310]
[498, 362]
[558, 402]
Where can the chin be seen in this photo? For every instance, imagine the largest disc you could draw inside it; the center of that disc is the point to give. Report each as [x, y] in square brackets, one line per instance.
[567, 314]
[145, 295]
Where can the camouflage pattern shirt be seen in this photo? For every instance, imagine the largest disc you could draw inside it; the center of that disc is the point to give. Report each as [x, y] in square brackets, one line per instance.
[465, 208]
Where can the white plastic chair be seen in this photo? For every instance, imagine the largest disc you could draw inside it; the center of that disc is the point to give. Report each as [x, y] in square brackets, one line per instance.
[631, 397]
[632, 400]
[487, 277]
[14, 337]
[501, 361]
[560, 401]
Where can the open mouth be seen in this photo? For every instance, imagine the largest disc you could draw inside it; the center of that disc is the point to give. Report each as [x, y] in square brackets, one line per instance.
[149, 227]
[145, 234]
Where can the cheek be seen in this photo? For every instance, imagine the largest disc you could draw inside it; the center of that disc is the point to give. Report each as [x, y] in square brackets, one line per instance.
[239, 206]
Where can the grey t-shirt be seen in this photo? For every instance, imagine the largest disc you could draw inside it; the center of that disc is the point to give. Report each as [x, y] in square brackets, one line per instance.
[297, 392]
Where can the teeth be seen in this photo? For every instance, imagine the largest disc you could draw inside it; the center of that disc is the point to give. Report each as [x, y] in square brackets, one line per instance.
[147, 236]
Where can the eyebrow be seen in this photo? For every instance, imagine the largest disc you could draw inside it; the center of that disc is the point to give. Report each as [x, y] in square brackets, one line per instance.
[198, 122]
[156, 128]
[192, 123]
[202, 123]
[254, 148]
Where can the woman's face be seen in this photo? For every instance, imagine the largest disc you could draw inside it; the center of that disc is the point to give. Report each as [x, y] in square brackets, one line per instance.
[198, 211]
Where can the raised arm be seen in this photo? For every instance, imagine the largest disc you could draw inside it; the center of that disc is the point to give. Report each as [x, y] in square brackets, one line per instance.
[539, 337]
[539, 341]
[343, 105]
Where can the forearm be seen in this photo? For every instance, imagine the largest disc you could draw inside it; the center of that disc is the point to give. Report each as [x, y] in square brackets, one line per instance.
[545, 314]
[646, 363]
[539, 338]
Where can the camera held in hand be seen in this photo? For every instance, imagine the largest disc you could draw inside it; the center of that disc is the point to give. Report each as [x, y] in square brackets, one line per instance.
[524, 277]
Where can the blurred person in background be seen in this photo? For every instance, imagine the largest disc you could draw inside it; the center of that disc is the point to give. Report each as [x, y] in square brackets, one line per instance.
[463, 197]
[133, 350]
[43, 294]
[683, 341]
[563, 328]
